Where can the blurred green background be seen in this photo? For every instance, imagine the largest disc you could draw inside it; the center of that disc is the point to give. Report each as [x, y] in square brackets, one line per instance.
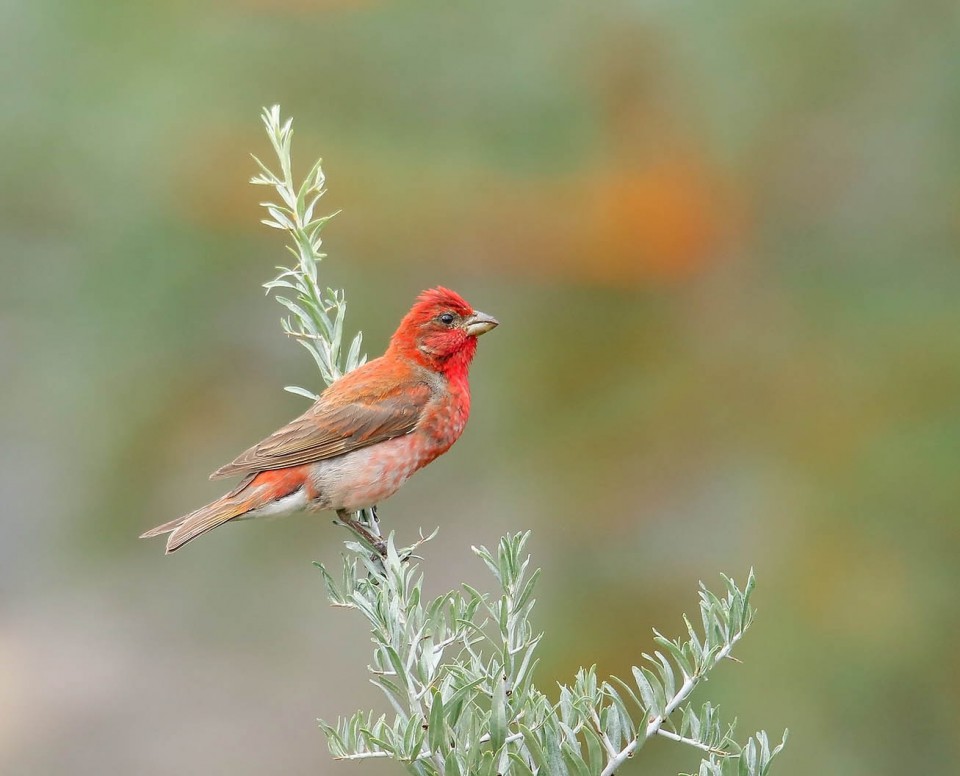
[722, 240]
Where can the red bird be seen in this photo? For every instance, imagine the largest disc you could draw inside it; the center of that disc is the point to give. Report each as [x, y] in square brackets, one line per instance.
[366, 433]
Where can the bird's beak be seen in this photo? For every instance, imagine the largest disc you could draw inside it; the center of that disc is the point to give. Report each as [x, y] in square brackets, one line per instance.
[479, 323]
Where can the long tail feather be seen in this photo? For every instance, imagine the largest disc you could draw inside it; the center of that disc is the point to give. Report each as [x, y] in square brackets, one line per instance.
[203, 520]
[269, 493]
[189, 527]
[162, 529]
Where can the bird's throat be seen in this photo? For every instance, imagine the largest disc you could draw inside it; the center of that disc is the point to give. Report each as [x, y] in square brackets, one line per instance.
[456, 367]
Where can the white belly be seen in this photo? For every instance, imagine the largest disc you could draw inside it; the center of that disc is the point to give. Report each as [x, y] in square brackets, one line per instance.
[281, 507]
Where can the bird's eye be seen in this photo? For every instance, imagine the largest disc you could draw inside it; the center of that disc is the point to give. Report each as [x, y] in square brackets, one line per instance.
[446, 318]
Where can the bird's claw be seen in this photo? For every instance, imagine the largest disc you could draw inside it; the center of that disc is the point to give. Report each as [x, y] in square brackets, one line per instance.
[372, 540]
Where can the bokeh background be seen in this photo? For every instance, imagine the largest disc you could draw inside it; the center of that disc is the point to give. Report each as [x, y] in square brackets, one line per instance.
[722, 240]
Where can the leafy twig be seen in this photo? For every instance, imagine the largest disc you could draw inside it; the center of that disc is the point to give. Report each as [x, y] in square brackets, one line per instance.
[317, 314]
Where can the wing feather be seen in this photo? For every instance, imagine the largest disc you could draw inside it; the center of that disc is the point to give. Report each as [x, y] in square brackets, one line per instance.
[354, 416]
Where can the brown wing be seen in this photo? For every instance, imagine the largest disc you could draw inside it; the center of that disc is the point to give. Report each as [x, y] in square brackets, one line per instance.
[334, 426]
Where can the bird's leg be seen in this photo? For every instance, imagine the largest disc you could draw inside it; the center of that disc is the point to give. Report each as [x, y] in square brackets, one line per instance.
[373, 540]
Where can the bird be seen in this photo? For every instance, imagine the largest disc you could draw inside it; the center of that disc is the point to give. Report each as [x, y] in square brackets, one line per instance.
[365, 435]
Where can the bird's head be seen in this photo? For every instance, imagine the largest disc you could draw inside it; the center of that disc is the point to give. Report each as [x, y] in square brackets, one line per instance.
[441, 331]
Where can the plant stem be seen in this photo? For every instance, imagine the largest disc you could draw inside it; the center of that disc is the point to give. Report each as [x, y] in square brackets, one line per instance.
[653, 727]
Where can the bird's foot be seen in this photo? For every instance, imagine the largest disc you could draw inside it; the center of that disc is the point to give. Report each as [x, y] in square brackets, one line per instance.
[374, 541]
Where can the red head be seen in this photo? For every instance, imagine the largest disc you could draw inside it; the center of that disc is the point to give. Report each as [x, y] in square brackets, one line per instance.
[440, 331]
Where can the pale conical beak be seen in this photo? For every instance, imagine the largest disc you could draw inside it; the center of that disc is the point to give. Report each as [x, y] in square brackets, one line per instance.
[479, 323]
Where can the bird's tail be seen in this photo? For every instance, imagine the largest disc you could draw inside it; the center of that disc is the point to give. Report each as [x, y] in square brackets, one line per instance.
[254, 495]
[198, 522]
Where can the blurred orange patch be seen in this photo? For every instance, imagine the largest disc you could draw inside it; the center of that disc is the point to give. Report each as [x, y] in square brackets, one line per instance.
[665, 221]
[661, 221]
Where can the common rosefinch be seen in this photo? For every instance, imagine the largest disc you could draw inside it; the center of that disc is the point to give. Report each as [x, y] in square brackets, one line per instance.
[367, 432]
